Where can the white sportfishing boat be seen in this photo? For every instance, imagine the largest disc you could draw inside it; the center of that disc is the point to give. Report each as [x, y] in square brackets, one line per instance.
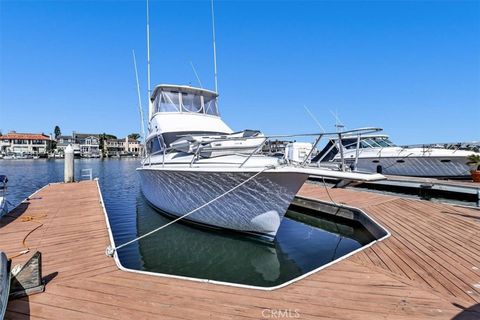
[196, 168]
[376, 153]
[194, 159]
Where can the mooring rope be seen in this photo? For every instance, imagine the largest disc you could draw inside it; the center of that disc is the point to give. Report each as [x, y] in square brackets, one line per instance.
[24, 241]
[109, 251]
[328, 193]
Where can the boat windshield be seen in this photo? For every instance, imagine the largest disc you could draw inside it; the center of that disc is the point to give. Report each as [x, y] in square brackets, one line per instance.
[167, 102]
[370, 142]
[210, 105]
[191, 102]
[175, 101]
[384, 142]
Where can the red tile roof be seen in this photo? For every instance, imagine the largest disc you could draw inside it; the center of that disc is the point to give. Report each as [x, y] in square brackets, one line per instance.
[25, 136]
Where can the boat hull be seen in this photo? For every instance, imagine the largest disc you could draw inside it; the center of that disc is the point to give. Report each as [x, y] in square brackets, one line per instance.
[3, 205]
[257, 207]
[453, 167]
[4, 283]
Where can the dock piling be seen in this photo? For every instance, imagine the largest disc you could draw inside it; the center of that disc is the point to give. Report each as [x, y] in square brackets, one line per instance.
[69, 164]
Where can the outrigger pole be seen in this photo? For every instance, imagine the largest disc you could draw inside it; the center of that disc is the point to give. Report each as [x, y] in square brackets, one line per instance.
[140, 108]
[150, 106]
[214, 49]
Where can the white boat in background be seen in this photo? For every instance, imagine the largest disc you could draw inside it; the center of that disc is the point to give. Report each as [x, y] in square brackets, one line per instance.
[10, 156]
[23, 156]
[193, 158]
[376, 153]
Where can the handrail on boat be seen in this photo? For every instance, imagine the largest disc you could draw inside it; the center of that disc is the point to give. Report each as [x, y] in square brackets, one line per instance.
[367, 130]
[260, 146]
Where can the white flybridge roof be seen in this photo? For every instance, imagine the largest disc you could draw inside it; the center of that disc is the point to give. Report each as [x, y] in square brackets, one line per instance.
[177, 108]
[174, 87]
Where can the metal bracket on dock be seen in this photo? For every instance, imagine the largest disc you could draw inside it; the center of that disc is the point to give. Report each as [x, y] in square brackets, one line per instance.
[28, 280]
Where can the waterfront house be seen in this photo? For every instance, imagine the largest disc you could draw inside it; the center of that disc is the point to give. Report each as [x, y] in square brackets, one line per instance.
[64, 141]
[123, 147]
[115, 147]
[89, 144]
[133, 146]
[25, 143]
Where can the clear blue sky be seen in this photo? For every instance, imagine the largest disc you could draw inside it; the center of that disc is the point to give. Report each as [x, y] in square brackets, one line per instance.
[412, 68]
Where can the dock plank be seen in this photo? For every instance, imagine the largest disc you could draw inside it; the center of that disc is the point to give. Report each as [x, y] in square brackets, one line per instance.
[440, 249]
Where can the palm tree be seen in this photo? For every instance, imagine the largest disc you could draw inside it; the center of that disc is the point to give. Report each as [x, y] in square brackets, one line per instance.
[57, 132]
[103, 144]
[474, 161]
[134, 136]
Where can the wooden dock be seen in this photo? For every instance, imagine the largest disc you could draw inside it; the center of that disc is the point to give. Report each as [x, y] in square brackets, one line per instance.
[428, 268]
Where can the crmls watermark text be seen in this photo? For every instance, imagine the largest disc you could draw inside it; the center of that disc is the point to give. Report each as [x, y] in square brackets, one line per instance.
[280, 313]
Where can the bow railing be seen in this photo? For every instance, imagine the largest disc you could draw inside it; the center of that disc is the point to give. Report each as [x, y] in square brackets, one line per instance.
[205, 144]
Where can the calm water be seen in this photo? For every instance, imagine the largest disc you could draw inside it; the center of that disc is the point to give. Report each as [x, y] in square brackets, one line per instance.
[303, 242]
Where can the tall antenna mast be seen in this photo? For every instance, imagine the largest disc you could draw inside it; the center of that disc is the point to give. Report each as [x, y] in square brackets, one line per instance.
[150, 107]
[214, 49]
[140, 108]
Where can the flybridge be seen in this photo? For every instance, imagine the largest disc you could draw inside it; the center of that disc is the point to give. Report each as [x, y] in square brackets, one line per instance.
[174, 98]
[178, 110]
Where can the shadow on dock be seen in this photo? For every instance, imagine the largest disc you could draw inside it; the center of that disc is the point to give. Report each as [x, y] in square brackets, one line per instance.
[18, 308]
[26, 282]
[14, 214]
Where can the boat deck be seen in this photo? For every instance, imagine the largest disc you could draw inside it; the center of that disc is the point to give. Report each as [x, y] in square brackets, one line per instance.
[428, 268]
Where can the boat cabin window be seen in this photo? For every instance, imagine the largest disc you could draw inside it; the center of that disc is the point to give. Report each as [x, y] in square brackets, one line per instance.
[210, 106]
[167, 102]
[349, 143]
[155, 145]
[175, 101]
[191, 102]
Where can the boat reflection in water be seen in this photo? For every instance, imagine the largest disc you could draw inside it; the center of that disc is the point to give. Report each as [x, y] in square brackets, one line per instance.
[185, 250]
